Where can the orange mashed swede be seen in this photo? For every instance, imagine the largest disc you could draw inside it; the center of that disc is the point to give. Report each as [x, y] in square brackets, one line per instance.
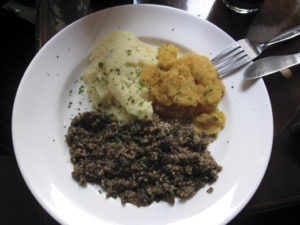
[186, 88]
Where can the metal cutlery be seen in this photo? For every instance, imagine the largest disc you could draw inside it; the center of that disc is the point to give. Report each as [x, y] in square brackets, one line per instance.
[270, 65]
[243, 51]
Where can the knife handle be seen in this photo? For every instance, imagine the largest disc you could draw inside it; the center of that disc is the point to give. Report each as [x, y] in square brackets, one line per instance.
[286, 35]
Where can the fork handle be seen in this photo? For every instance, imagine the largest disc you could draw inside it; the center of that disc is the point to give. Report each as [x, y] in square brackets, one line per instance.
[284, 36]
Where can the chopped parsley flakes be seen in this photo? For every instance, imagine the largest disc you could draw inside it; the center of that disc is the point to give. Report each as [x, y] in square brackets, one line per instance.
[100, 64]
[81, 89]
[215, 118]
[129, 52]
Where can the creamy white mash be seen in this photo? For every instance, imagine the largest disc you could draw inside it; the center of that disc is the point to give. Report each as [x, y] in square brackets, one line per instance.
[113, 76]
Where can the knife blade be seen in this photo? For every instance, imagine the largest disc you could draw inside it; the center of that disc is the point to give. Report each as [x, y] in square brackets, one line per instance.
[269, 65]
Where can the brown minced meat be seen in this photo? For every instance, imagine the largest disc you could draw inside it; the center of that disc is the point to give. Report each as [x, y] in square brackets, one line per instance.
[141, 162]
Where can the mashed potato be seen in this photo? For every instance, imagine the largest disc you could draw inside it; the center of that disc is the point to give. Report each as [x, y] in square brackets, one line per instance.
[187, 88]
[113, 76]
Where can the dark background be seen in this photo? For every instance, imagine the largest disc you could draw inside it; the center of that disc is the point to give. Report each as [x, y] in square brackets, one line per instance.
[17, 205]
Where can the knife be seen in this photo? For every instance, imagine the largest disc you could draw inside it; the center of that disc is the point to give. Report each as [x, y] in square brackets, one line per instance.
[270, 65]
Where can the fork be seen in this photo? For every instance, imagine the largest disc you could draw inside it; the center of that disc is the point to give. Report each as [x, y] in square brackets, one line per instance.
[243, 51]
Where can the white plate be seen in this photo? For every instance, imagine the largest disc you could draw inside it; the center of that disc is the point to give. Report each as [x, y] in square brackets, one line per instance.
[41, 116]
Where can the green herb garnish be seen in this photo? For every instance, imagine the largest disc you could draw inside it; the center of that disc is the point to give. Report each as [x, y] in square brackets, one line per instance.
[70, 103]
[81, 89]
[129, 52]
[100, 64]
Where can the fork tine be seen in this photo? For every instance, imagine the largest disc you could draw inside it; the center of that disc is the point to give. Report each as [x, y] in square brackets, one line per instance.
[231, 63]
[234, 46]
[231, 57]
[234, 66]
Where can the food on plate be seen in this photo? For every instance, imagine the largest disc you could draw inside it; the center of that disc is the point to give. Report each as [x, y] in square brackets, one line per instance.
[112, 76]
[154, 115]
[186, 88]
[141, 162]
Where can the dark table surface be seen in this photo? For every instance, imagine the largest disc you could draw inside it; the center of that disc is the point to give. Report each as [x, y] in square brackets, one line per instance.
[280, 187]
